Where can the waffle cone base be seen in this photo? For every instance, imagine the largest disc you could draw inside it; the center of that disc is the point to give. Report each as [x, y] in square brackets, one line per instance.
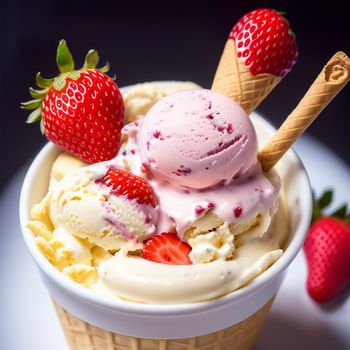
[234, 80]
[84, 336]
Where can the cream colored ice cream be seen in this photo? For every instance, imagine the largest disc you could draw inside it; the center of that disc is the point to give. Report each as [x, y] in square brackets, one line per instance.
[140, 98]
[86, 209]
[64, 164]
[63, 249]
[74, 229]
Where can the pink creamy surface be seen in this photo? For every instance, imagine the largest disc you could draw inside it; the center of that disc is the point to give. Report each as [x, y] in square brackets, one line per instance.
[197, 138]
[242, 198]
[246, 195]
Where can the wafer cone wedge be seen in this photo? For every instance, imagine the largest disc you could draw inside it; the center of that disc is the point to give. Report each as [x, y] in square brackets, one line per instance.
[333, 77]
[83, 336]
[233, 79]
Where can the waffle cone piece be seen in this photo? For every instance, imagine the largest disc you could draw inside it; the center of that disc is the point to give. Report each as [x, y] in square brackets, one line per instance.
[83, 336]
[333, 77]
[233, 79]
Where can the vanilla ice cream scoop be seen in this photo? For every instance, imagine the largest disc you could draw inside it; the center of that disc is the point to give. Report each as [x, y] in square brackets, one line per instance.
[197, 138]
[86, 208]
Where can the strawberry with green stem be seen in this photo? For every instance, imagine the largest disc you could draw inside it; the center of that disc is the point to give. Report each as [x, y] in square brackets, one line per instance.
[81, 111]
[327, 251]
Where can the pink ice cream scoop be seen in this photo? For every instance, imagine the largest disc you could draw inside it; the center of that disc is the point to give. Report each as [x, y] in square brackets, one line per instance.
[197, 138]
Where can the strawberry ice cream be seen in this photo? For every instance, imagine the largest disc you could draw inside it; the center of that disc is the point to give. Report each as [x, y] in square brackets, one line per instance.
[197, 138]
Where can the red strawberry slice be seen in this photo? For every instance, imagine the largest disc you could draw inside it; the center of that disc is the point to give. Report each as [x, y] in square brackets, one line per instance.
[124, 183]
[265, 42]
[167, 248]
[81, 111]
[327, 251]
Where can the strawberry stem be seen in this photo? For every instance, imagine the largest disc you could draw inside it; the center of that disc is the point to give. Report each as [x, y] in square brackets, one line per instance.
[64, 58]
[316, 213]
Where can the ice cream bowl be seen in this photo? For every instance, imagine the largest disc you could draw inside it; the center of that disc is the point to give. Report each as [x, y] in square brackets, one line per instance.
[233, 320]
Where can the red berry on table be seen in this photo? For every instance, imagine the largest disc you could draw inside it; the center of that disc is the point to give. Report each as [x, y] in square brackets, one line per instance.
[167, 248]
[124, 183]
[265, 42]
[327, 251]
[81, 111]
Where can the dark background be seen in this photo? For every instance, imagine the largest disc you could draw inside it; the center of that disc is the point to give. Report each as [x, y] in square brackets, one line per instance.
[148, 40]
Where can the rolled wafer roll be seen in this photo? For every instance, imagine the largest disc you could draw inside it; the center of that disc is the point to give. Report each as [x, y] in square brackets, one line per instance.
[333, 77]
[259, 52]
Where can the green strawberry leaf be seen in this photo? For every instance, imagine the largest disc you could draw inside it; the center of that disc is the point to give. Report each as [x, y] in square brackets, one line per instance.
[42, 82]
[105, 68]
[64, 58]
[37, 93]
[320, 203]
[32, 104]
[42, 128]
[341, 212]
[91, 60]
[34, 117]
[325, 199]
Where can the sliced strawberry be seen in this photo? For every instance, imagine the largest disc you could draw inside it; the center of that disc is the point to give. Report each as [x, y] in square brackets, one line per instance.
[167, 248]
[124, 183]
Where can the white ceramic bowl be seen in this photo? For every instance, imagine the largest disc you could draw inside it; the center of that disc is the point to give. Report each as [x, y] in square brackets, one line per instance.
[181, 320]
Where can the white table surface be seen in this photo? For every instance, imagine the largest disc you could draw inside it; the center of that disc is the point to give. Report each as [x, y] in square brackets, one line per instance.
[28, 320]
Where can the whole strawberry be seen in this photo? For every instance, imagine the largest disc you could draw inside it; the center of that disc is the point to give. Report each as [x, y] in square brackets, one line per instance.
[81, 111]
[327, 251]
[265, 42]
